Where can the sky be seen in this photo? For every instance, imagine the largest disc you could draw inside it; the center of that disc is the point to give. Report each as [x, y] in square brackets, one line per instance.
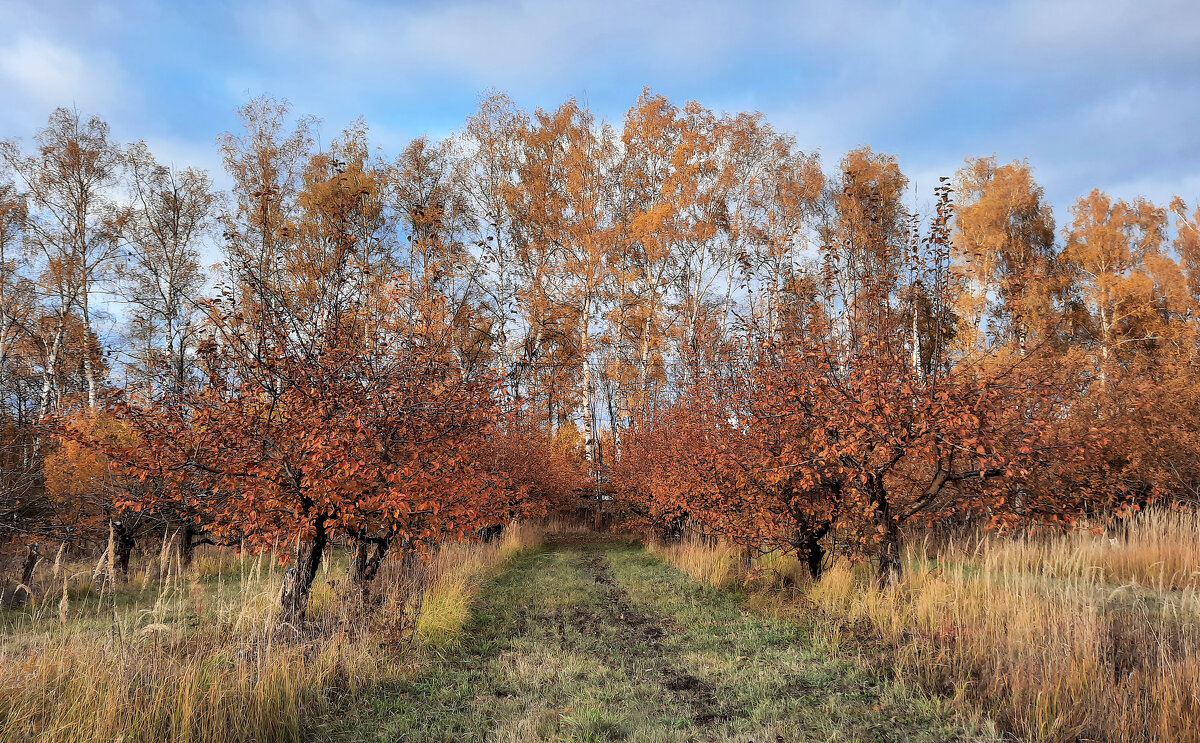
[1095, 93]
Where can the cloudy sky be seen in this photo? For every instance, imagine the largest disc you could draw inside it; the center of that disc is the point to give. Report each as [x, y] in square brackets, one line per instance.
[1094, 92]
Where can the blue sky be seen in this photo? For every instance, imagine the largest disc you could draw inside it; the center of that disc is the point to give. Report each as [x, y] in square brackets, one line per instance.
[1094, 93]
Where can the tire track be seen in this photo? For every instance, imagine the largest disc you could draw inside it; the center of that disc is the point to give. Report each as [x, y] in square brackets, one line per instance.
[636, 628]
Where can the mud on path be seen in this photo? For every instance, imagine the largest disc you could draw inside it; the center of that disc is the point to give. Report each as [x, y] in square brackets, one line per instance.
[596, 640]
[639, 628]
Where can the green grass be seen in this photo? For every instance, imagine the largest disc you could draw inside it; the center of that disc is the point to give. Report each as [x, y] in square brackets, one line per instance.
[193, 597]
[584, 639]
[601, 641]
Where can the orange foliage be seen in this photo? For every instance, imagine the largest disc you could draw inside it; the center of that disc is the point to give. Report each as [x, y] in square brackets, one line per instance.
[850, 431]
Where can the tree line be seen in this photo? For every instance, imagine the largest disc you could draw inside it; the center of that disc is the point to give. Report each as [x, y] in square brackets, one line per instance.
[682, 315]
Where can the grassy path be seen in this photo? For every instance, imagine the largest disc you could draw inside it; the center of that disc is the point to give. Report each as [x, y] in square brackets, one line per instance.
[600, 641]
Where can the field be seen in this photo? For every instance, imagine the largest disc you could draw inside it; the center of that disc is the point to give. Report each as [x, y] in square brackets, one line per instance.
[561, 634]
[544, 373]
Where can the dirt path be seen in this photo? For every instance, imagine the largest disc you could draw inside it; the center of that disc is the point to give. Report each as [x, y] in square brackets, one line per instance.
[602, 642]
[637, 629]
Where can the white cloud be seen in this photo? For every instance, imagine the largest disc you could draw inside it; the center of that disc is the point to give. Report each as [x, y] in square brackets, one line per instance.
[527, 42]
[37, 75]
[1095, 92]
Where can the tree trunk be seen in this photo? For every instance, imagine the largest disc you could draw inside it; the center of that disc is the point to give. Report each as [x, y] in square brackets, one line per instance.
[123, 545]
[889, 567]
[48, 378]
[32, 556]
[1106, 336]
[187, 547]
[614, 420]
[297, 582]
[644, 362]
[916, 343]
[808, 543]
[24, 590]
[364, 564]
[89, 369]
[589, 403]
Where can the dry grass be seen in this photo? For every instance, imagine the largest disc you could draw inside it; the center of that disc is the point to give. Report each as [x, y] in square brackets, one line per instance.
[146, 689]
[1158, 549]
[196, 655]
[455, 575]
[722, 565]
[716, 564]
[1063, 637]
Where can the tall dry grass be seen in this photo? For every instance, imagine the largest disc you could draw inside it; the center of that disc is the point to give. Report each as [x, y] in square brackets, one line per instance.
[716, 564]
[1059, 637]
[456, 574]
[194, 655]
[722, 565]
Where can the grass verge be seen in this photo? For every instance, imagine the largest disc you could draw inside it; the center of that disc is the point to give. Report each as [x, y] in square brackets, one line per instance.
[195, 655]
[1057, 637]
[597, 640]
